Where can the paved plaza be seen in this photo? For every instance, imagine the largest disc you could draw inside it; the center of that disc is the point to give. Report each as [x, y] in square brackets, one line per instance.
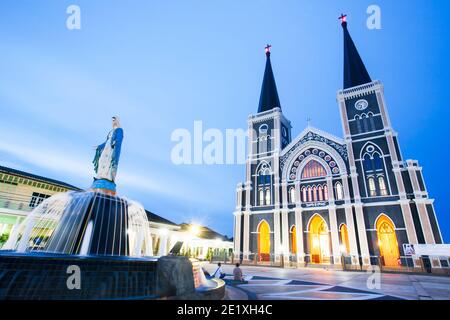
[269, 283]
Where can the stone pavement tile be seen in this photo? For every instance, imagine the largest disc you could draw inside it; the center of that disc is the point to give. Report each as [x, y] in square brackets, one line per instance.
[264, 278]
[317, 295]
[347, 289]
[275, 289]
[299, 282]
[268, 282]
[393, 285]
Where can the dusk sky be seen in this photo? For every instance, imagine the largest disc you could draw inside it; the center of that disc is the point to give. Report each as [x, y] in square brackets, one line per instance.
[161, 65]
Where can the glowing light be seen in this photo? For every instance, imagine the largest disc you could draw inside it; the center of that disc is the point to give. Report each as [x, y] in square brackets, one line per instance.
[163, 231]
[315, 242]
[194, 230]
[380, 243]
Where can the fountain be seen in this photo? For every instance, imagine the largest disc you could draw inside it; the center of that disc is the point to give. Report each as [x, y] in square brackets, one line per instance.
[105, 236]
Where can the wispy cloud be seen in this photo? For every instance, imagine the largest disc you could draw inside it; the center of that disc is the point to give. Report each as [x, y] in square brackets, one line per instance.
[72, 164]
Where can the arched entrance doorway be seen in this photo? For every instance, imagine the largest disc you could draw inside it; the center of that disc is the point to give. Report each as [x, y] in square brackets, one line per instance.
[294, 240]
[387, 241]
[264, 241]
[344, 240]
[319, 240]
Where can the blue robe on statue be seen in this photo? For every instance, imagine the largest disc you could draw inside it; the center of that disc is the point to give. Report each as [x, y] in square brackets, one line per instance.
[111, 147]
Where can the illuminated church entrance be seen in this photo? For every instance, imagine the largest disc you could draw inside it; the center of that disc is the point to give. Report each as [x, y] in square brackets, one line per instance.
[387, 241]
[294, 240]
[264, 241]
[345, 243]
[319, 240]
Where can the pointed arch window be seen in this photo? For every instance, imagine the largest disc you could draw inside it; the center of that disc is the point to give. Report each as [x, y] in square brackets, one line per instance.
[371, 121]
[268, 197]
[292, 194]
[261, 196]
[263, 143]
[264, 181]
[313, 169]
[345, 243]
[310, 198]
[377, 162]
[304, 195]
[365, 122]
[325, 193]
[358, 124]
[367, 163]
[339, 191]
[372, 188]
[382, 185]
[320, 191]
[314, 191]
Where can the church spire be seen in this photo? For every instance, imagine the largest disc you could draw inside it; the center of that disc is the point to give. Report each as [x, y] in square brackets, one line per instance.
[355, 73]
[269, 94]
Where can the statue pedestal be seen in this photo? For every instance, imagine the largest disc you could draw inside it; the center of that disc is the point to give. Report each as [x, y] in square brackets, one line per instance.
[103, 186]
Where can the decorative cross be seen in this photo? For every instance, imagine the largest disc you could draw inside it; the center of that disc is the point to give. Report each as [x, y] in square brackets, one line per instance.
[267, 49]
[308, 121]
[343, 18]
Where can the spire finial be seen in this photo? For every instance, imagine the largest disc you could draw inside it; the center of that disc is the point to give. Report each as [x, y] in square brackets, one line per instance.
[308, 121]
[343, 19]
[269, 95]
[355, 73]
[267, 49]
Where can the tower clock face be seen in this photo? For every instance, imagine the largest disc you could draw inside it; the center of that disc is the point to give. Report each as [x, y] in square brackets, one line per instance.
[361, 104]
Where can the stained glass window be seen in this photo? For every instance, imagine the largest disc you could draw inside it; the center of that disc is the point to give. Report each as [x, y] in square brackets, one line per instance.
[292, 194]
[320, 193]
[268, 197]
[313, 169]
[372, 189]
[305, 199]
[377, 161]
[367, 163]
[339, 191]
[261, 197]
[382, 185]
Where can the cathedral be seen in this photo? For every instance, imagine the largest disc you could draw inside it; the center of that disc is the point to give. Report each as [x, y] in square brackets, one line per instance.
[321, 199]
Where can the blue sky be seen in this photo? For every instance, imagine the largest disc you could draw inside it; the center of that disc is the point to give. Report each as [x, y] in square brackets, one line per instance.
[161, 65]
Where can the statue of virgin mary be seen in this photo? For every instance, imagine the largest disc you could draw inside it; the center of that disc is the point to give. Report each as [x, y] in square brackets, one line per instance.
[107, 157]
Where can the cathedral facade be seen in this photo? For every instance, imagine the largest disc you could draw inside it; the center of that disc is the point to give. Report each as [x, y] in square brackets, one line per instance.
[318, 198]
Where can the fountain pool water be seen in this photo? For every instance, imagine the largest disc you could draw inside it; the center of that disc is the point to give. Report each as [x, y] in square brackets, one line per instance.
[84, 223]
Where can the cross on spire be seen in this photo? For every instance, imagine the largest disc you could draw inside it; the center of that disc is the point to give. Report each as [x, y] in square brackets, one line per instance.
[267, 49]
[308, 121]
[343, 18]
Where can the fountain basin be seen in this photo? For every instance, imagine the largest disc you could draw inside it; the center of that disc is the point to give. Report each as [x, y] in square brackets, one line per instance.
[44, 276]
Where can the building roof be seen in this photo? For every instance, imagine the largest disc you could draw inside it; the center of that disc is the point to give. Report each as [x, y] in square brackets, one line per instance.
[27, 175]
[205, 232]
[269, 94]
[355, 72]
[152, 217]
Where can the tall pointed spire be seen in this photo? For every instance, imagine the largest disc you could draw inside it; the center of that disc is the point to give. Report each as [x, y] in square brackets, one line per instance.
[355, 73]
[269, 94]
